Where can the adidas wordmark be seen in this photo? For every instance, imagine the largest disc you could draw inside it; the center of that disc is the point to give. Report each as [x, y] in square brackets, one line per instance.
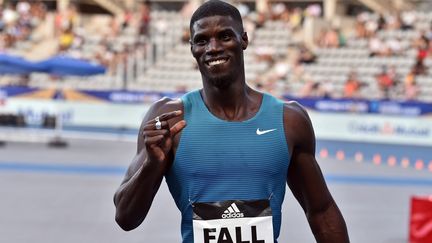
[232, 212]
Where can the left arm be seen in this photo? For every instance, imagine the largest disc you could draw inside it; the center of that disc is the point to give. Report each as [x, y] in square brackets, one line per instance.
[306, 180]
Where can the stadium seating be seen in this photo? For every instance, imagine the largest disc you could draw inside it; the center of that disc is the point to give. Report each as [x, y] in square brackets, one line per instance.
[336, 63]
[161, 61]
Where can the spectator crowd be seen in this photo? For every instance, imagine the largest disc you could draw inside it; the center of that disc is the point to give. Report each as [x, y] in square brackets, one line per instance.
[18, 22]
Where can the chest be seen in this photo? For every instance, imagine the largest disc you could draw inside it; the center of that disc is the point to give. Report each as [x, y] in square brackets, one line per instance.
[219, 150]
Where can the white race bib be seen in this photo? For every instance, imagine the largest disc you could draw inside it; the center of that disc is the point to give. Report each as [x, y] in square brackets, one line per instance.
[233, 221]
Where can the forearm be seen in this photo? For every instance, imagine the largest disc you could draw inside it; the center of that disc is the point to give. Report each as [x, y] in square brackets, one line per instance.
[134, 197]
[329, 226]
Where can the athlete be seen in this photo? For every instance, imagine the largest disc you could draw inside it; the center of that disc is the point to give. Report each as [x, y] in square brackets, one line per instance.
[227, 151]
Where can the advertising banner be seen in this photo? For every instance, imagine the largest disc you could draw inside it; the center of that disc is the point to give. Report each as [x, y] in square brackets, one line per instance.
[347, 120]
[373, 128]
[382, 107]
[80, 114]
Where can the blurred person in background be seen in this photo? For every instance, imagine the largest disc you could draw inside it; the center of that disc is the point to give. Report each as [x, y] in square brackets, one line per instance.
[411, 91]
[342, 40]
[67, 19]
[258, 145]
[305, 55]
[377, 47]
[394, 46]
[126, 19]
[381, 22]
[9, 15]
[393, 74]
[410, 88]
[371, 26]
[66, 39]
[313, 10]
[408, 19]
[326, 89]
[421, 43]
[310, 89]
[296, 18]
[419, 67]
[23, 7]
[329, 38]
[144, 19]
[277, 10]
[352, 86]
[360, 29]
[385, 82]
[393, 21]
[18, 22]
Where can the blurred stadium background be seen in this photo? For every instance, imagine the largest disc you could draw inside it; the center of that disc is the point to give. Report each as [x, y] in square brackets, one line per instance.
[76, 78]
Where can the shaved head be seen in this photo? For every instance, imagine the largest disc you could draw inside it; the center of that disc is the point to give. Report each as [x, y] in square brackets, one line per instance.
[216, 8]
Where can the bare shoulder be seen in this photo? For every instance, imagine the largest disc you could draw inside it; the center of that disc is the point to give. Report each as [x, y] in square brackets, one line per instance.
[295, 113]
[297, 124]
[158, 108]
[162, 106]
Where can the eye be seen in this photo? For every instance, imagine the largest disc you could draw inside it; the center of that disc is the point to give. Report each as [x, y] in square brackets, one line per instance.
[226, 37]
[200, 41]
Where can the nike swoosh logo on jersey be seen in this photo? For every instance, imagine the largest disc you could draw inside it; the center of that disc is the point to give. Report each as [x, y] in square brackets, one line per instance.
[259, 132]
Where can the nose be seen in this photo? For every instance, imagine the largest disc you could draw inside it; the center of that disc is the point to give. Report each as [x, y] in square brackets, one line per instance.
[213, 46]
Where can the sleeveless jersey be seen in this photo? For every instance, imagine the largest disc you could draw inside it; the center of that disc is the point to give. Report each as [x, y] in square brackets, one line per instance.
[226, 160]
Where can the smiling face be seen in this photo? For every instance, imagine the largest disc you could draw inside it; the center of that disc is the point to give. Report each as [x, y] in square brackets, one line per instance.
[217, 44]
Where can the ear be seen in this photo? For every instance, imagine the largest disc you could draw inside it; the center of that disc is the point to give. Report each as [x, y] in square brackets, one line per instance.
[245, 40]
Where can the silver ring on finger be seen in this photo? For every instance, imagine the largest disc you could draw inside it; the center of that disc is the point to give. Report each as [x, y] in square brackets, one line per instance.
[158, 123]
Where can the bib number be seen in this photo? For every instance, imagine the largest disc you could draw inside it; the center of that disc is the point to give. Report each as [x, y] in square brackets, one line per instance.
[233, 221]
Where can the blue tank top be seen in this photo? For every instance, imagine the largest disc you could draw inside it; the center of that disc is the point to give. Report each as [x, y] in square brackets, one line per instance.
[219, 160]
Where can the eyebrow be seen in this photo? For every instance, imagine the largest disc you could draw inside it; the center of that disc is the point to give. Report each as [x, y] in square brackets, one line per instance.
[229, 30]
[197, 36]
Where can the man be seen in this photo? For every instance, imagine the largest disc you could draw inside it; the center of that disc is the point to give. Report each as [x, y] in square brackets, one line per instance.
[227, 169]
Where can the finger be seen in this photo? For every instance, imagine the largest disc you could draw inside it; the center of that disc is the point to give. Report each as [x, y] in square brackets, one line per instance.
[153, 140]
[169, 115]
[152, 126]
[154, 133]
[177, 127]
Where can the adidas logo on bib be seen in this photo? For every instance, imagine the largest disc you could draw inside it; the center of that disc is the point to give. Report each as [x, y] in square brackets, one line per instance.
[224, 222]
[232, 212]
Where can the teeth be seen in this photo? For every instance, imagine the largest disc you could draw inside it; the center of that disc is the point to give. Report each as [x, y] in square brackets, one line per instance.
[216, 62]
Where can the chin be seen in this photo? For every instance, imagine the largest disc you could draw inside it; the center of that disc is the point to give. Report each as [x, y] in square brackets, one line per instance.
[221, 81]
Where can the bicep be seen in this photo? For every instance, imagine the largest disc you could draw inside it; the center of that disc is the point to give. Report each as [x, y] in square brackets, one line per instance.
[304, 178]
[162, 106]
[140, 155]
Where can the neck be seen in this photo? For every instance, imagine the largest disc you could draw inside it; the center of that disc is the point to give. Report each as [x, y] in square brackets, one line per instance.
[235, 103]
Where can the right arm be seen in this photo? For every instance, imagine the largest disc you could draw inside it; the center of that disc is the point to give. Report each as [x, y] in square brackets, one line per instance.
[154, 157]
